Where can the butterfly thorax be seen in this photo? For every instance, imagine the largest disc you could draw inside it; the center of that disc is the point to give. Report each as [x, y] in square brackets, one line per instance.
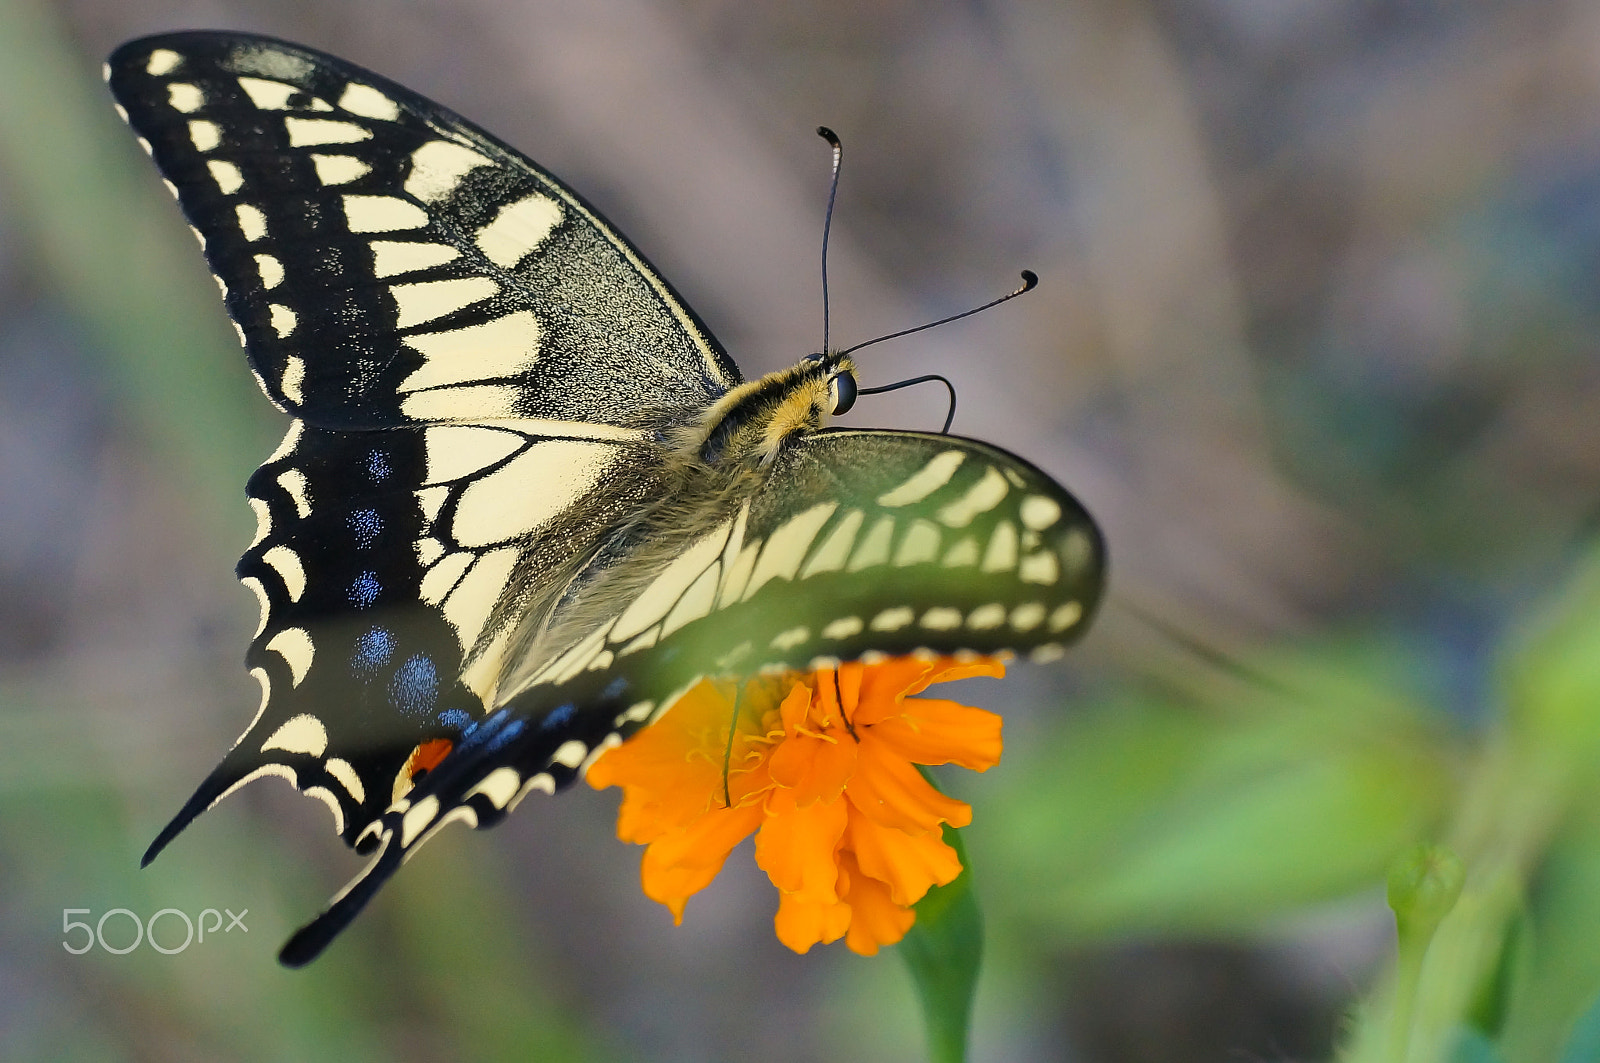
[751, 423]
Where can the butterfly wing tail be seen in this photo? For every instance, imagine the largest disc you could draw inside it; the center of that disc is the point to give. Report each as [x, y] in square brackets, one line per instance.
[307, 943]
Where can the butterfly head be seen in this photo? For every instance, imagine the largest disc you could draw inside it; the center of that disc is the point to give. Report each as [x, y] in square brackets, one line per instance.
[753, 422]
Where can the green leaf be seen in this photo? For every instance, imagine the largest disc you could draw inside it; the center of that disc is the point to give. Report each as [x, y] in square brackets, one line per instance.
[943, 951]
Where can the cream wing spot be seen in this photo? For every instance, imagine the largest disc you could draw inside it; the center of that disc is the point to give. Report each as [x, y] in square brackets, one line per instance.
[499, 786]
[530, 490]
[260, 592]
[276, 95]
[1066, 616]
[1001, 554]
[263, 514]
[981, 497]
[348, 777]
[228, 176]
[1039, 568]
[843, 628]
[270, 269]
[368, 102]
[300, 734]
[502, 347]
[468, 607]
[294, 645]
[204, 135]
[286, 563]
[431, 501]
[543, 782]
[339, 169]
[518, 229]
[283, 320]
[874, 548]
[920, 545]
[788, 640]
[439, 580]
[483, 402]
[264, 681]
[638, 712]
[643, 642]
[309, 132]
[390, 258]
[424, 301]
[382, 214]
[252, 223]
[429, 550]
[942, 618]
[438, 166]
[1039, 512]
[893, 619]
[294, 483]
[1027, 616]
[162, 61]
[418, 817]
[928, 479]
[457, 451]
[185, 97]
[987, 616]
[569, 754]
[835, 549]
[1050, 651]
[962, 554]
[294, 374]
[787, 545]
[696, 602]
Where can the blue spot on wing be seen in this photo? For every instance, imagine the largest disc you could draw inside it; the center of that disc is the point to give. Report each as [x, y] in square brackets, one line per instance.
[457, 718]
[415, 686]
[558, 717]
[378, 466]
[364, 591]
[365, 525]
[373, 650]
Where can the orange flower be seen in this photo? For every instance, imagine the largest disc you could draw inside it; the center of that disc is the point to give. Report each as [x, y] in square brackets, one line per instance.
[821, 767]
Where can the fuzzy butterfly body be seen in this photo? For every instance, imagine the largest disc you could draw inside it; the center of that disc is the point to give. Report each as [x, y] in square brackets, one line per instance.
[525, 500]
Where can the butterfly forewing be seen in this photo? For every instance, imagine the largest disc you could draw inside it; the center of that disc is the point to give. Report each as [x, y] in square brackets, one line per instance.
[387, 262]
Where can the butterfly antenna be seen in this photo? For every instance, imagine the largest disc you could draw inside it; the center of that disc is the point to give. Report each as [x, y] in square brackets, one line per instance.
[950, 415]
[1030, 281]
[827, 223]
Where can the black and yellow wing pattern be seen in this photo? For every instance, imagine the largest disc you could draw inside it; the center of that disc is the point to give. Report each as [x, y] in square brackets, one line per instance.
[525, 499]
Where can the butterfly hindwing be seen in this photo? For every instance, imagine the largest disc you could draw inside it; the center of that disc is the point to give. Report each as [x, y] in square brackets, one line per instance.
[387, 262]
[859, 543]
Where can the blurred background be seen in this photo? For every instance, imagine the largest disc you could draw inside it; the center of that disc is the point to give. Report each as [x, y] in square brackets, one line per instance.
[1317, 339]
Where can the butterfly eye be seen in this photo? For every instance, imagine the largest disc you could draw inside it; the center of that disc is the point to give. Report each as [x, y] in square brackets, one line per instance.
[842, 391]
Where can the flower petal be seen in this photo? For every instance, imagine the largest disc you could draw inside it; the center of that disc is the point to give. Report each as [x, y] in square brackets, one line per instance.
[816, 769]
[894, 794]
[800, 924]
[875, 919]
[935, 731]
[908, 864]
[796, 846]
[682, 863]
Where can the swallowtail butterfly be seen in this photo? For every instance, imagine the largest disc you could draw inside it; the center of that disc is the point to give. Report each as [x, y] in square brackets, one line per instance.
[525, 500]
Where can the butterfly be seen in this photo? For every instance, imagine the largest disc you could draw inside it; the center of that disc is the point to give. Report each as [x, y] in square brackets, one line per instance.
[526, 500]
